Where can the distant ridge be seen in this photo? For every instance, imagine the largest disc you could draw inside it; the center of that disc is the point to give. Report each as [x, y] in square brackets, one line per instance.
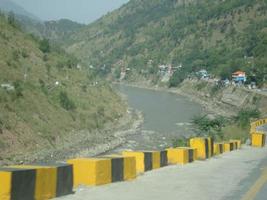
[8, 5]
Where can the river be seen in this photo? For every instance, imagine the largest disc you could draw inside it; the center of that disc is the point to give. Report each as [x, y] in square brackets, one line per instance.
[167, 116]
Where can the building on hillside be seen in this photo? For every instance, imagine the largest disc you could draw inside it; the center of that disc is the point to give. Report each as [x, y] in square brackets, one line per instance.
[239, 77]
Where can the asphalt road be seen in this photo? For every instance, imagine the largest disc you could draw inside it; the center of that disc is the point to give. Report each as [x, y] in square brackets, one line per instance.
[229, 176]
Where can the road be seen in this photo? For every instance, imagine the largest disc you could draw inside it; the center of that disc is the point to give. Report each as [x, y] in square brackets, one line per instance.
[226, 177]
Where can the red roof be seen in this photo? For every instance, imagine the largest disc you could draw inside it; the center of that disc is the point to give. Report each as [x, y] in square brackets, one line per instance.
[239, 73]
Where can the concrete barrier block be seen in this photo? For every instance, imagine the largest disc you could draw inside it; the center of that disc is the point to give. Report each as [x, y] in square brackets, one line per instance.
[203, 146]
[147, 160]
[50, 181]
[228, 146]
[181, 155]
[238, 143]
[91, 171]
[64, 182]
[218, 148]
[17, 184]
[45, 182]
[258, 139]
[123, 168]
[140, 160]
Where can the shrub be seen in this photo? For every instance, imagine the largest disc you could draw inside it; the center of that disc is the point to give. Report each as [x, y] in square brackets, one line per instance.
[177, 78]
[24, 53]
[243, 117]
[18, 85]
[66, 102]
[203, 123]
[179, 142]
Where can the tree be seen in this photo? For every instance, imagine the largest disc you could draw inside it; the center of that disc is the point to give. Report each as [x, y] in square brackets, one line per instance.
[177, 78]
[11, 19]
[44, 46]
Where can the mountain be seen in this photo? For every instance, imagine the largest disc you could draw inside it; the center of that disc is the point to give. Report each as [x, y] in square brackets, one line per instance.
[47, 97]
[220, 36]
[8, 6]
[58, 31]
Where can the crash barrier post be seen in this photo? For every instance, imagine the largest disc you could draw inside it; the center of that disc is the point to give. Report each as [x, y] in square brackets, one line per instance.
[203, 145]
[228, 146]
[258, 139]
[218, 148]
[181, 155]
[238, 143]
[148, 160]
[123, 168]
[45, 181]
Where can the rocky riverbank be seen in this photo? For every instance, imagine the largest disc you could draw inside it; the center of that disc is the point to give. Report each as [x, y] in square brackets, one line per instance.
[85, 143]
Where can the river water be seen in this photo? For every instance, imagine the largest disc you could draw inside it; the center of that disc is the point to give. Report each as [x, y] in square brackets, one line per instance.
[167, 116]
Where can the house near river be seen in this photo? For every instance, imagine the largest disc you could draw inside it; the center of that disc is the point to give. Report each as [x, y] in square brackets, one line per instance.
[239, 77]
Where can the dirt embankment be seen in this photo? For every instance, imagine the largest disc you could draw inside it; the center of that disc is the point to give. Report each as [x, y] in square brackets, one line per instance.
[85, 143]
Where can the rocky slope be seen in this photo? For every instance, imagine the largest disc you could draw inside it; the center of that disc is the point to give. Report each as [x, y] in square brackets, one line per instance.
[226, 101]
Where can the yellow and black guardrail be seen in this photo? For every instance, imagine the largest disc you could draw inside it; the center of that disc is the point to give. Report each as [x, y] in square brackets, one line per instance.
[181, 155]
[123, 168]
[204, 146]
[148, 160]
[91, 171]
[35, 182]
[218, 148]
[49, 181]
[257, 138]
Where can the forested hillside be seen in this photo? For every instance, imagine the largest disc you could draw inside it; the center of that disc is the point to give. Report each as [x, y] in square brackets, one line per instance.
[46, 95]
[218, 35]
[57, 32]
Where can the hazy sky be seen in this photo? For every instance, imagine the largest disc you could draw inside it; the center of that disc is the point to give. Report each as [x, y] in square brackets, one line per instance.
[84, 11]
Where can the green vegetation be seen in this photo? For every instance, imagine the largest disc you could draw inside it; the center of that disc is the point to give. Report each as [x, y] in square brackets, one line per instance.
[177, 78]
[65, 101]
[211, 127]
[44, 96]
[18, 85]
[244, 116]
[221, 128]
[44, 45]
[179, 142]
[220, 36]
